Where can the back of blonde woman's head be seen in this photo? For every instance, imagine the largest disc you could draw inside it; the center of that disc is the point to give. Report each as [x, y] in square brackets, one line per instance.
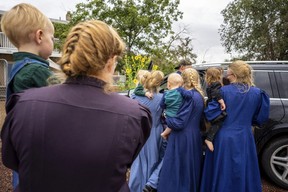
[213, 74]
[153, 81]
[142, 76]
[242, 72]
[88, 47]
[21, 22]
[191, 80]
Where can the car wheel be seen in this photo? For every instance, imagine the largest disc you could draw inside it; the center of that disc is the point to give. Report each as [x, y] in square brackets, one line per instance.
[275, 161]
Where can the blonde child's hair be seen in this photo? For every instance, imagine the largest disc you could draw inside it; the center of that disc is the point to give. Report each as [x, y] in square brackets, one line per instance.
[142, 75]
[213, 74]
[88, 47]
[21, 22]
[153, 81]
[191, 80]
[57, 78]
[242, 72]
[175, 79]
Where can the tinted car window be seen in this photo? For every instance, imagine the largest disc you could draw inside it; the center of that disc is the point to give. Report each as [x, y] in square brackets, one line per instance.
[262, 80]
[282, 79]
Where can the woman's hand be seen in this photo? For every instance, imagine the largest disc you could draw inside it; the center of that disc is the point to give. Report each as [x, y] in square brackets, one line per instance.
[209, 145]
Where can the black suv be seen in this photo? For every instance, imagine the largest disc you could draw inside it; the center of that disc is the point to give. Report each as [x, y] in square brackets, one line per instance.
[272, 139]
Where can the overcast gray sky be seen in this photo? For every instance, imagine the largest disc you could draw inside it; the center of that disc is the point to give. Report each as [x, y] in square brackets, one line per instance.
[201, 16]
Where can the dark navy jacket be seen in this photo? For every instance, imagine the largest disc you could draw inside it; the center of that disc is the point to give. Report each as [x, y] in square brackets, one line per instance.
[73, 137]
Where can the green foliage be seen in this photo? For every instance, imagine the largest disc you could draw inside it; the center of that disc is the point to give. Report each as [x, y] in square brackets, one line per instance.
[61, 32]
[143, 24]
[256, 29]
[168, 55]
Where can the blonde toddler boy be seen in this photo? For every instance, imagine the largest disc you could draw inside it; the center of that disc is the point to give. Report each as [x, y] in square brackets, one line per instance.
[172, 99]
[32, 33]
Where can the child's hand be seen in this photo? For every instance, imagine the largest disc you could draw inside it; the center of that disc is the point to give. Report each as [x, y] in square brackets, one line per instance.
[164, 136]
[222, 104]
[149, 95]
[209, 145]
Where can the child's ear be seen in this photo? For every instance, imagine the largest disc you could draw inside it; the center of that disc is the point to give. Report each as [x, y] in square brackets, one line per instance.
[38, 36]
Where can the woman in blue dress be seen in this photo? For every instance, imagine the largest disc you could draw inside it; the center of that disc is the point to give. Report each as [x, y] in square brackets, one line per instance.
[181, 169]
[233, 166]
[146, 167]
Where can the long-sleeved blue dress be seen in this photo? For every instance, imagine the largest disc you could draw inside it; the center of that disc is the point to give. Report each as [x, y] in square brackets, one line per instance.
[181, 169]
[146, 167]
[233, 166]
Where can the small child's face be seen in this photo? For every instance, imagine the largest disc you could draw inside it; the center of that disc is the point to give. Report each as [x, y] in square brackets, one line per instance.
[47, 43]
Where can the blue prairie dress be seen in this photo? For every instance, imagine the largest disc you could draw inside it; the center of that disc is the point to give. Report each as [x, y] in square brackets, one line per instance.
[146, 167]
[181, 169]
[233, 166]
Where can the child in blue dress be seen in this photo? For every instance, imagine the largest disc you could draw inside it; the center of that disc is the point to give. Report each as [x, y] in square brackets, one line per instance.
[213, 80]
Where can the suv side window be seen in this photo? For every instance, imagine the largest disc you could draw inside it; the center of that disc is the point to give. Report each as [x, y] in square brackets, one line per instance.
[262, 79]
[282, 79]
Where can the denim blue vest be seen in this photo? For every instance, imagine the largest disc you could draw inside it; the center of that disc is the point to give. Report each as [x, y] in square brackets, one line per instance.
[17, 66]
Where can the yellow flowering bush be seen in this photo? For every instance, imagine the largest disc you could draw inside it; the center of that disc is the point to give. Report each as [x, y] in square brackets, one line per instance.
[155, 67]
[132, 65]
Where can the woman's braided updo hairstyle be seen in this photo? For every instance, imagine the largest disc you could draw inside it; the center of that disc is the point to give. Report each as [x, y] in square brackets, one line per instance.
[142, 75]
[153, 81]
[88, 47]
[191, 80]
